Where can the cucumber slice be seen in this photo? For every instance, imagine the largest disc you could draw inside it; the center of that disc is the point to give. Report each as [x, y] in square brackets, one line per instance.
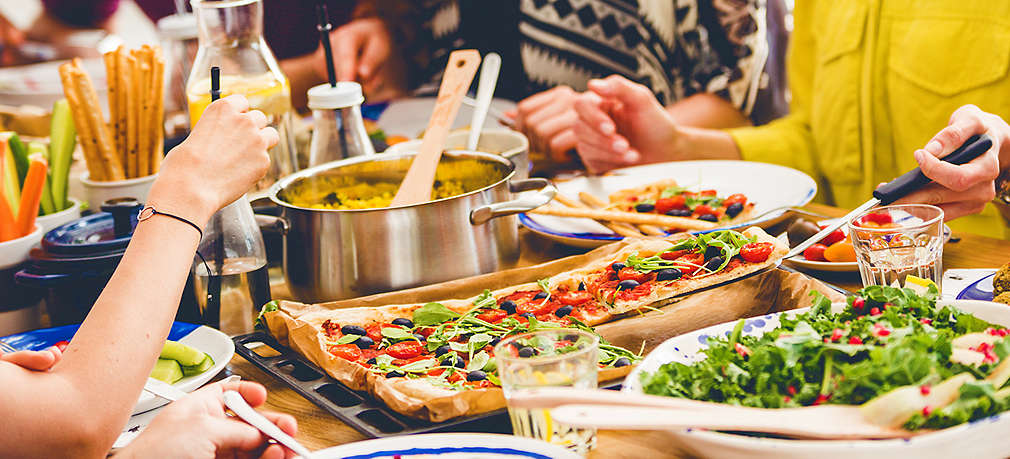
[186, 356]
[167, 370]
[203, 366]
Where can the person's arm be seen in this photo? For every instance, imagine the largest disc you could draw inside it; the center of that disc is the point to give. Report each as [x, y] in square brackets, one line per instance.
[706, 110]
[88, 395]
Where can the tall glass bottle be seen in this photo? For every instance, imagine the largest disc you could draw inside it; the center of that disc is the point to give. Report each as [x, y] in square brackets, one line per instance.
[231, 37]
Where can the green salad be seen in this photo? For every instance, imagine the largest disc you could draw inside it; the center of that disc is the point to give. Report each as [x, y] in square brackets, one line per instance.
[908, 361]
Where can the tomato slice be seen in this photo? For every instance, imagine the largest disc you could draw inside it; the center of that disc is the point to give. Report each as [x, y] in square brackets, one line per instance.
[704, 209]
[492, 315]
[375, 331]
[673, 255]
[735, 198]
[756, 252]
[707, 192]
[405, 349]
[664, 205]
[634, 274]
[345, 351]
[573, 298]
[536, 307]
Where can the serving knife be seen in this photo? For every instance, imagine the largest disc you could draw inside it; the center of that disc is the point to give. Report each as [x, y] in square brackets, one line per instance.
[900, 187]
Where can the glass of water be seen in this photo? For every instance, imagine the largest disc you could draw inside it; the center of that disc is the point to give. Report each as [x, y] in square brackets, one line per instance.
[548, 358]
[893, 242]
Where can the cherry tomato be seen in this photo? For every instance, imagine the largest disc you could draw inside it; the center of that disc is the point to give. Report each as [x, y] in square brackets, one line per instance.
[835, 236]
[690, 260]
[735, 198]
[62, 345]
[535, 307]
[436, 372]
[878, 218]
[756, 252]
[707, 192]
[425, 331]
[573, 298]
[633, 274]
[815, 252]
[375, 331]
[493, 316]
[405, 350]
[704, 209]
[345, 351]
[664, 205]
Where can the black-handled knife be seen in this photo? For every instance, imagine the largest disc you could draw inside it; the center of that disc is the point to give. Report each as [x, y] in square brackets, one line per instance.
[901, 187]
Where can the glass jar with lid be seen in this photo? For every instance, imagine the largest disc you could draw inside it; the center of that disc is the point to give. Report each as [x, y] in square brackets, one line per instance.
[339, 131]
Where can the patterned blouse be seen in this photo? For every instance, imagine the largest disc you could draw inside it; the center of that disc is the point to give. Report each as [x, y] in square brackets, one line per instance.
[676, 47]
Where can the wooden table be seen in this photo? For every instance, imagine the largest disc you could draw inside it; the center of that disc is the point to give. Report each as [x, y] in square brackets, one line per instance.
[317, 429]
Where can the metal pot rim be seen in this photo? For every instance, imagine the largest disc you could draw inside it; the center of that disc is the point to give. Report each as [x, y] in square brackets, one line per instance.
[284, 182]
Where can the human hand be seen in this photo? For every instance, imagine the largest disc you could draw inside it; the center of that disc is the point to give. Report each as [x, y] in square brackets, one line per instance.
[965, 189]
[223, 157]
[548, 120]
[10, 39]
[195, 426]
[363, 51]
[34, 360]
[620, 123]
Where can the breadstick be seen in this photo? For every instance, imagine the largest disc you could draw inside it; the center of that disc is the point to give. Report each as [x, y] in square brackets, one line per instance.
[636, 218]
[597, 203]
[81, 120]
[158, 120]
[144, 126]
[113, 168]
[619, 228]
[114, 96]
[132, 99]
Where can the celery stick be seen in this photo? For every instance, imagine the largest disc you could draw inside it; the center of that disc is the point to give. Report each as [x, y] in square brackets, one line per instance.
[20, 152]
[46, 206]
[9, 180]
[62, 139]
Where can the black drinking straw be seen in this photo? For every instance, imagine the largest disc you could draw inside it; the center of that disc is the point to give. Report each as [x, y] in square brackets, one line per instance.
[324, 27]
[212, 312]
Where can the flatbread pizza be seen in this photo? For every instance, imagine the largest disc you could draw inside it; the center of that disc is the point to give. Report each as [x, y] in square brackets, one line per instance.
[666, 197]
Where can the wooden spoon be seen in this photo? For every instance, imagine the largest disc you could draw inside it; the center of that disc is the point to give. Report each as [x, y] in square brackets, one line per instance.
[607, 409]
[459, 72]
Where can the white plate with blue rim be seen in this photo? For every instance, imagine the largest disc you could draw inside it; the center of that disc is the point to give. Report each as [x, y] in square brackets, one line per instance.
[211, 341]
[449, 445]
[768, 186]
[984, 438]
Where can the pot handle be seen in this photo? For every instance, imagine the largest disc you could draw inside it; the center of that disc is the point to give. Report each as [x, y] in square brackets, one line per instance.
[483, 214]
[272, 223]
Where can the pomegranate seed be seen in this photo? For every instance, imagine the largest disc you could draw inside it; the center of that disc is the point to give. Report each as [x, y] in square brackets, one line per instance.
[837, 334]
[791, 390]
[741, 349]
[883, 332]
[924, 389]
[787, 399]
[858, 303]
[926, 321]
[926, 410]
[855, 340]
[821, 399]
[874, 311]
[827, 340]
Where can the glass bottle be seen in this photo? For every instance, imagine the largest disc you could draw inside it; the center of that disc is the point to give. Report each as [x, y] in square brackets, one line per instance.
[339, 131]
[231, 37]
[178, 34]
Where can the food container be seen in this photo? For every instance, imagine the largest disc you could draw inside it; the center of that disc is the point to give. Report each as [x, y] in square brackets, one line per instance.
[77, 259]
[62, 217]
[20, 308]
[98, 192]
[510, 144]
[335, 254]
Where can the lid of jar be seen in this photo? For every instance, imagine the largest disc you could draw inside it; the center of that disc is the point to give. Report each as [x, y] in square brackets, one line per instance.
[344, 94]
[104, 233]
[180, 26]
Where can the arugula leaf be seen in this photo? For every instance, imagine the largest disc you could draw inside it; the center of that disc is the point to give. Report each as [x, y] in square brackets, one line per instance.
[397, 334]
[672, 191]
[347, 339]
[478, 361]
[269, 307]
[433, 314]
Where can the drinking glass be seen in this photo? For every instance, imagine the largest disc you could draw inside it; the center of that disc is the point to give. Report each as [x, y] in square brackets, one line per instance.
[894, 242]
[548, 358]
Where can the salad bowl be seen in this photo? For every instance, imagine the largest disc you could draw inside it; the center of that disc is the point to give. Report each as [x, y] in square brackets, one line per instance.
[983, 438]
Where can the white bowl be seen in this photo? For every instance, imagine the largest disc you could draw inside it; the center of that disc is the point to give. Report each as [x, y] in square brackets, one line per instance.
[15, 251]
[985, 438]
[99, 192]
[12, 254]
[62, 217]
[511, 145]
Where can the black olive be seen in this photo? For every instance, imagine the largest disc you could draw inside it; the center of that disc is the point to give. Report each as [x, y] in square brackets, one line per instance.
[364, 342]
[563, 311]
[476, 375]
[442, 349]
[734, 209]
[540, 295]
[454, 360]
[617, 266]
[709, 218]
[395, 374]
[508, 306]
[516, 345]
[420, 337]
[371, 361]
[628, 284]
[495, 341]
[712, 251]
[353, 330]
[571, 338]
[668, 274]
[527, 352]
[714, 263]
[582, 286]
[645, 207]
[679, 213]
[622, 362]
[403, 322]
[465, 336]
[528, 315]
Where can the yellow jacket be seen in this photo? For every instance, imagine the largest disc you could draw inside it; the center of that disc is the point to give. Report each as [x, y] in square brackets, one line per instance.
[874, 80]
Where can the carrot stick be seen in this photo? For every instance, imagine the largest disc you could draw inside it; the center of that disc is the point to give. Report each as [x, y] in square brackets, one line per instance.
[8, 229]
[31, 195]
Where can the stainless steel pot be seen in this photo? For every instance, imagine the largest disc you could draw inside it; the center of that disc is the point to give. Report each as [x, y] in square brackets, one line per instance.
[338, 254]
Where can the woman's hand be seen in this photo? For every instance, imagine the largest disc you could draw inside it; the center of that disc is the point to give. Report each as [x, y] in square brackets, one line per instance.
[34, 360]
[196, 427]
[363, 51]
[548, 119]
[620, 123]
[223, 157]
[965, 189]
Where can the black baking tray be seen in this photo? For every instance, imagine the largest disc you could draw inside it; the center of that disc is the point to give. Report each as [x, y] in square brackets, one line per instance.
[357, 409]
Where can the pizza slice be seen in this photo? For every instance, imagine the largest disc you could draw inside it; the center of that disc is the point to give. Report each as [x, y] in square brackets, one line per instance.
[653, 271]
[666, 197]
